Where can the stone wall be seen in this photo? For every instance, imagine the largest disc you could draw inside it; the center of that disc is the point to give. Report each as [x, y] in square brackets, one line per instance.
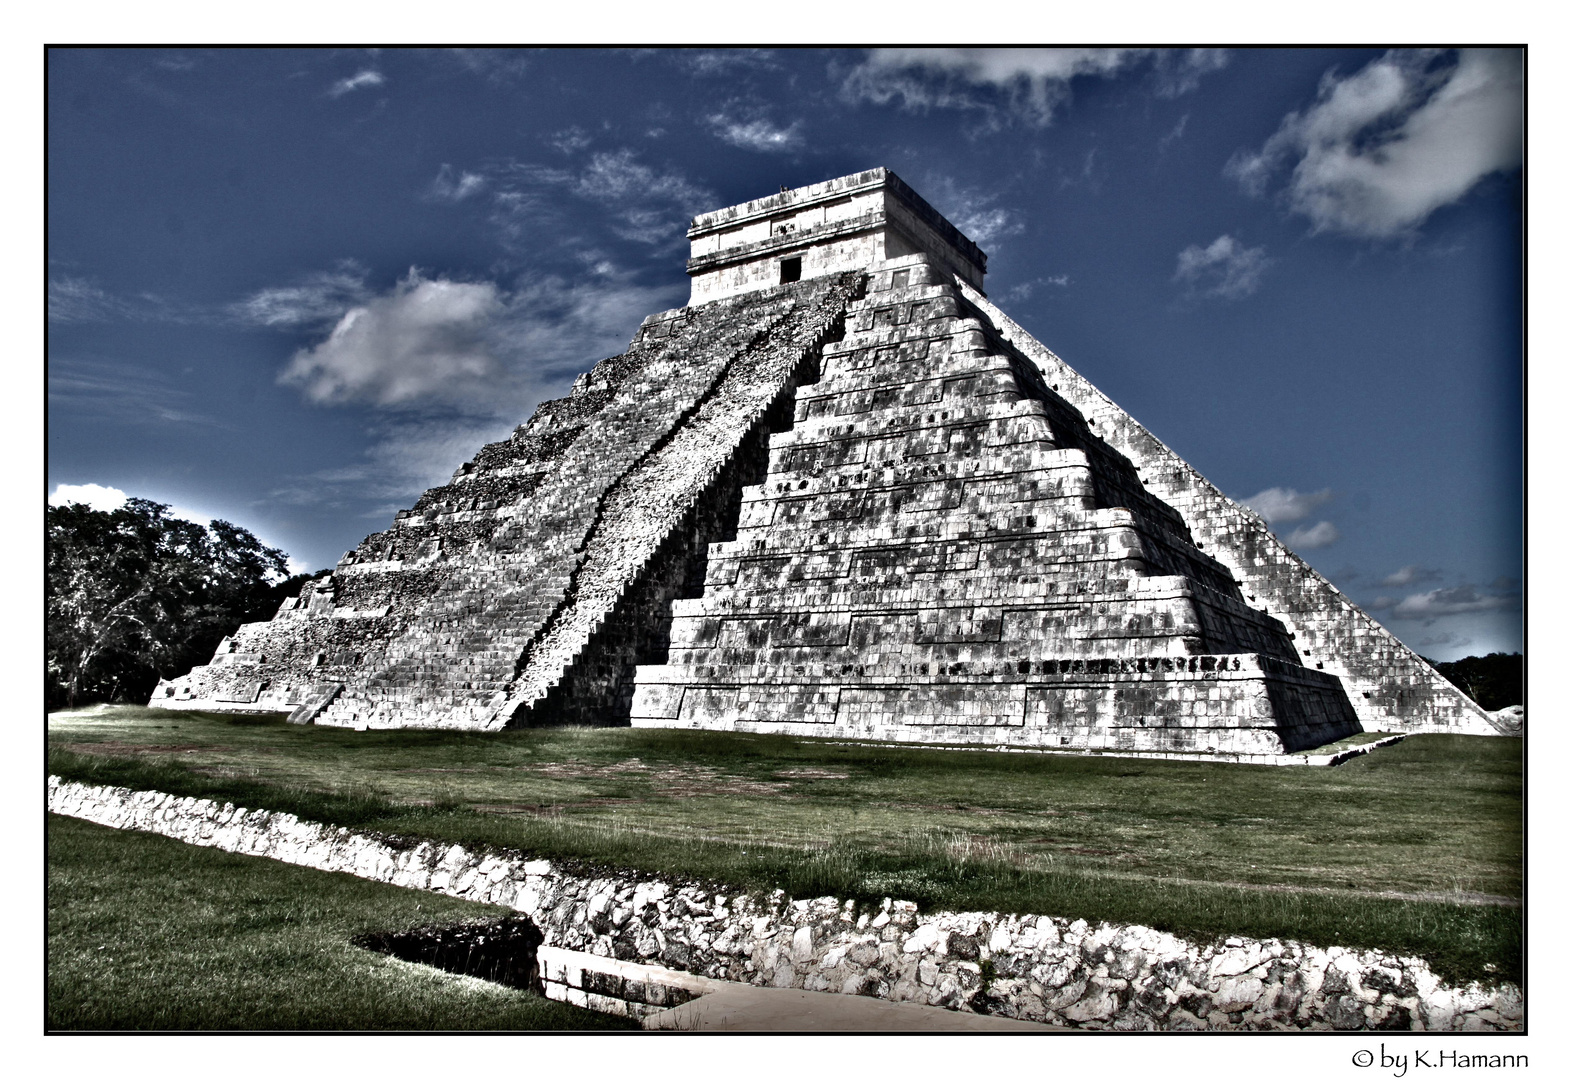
[1066, 973]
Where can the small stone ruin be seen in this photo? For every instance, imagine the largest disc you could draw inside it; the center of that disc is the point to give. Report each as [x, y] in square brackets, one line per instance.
[839, 494]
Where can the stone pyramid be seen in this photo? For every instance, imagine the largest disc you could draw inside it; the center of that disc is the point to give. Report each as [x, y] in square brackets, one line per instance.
[840, 493]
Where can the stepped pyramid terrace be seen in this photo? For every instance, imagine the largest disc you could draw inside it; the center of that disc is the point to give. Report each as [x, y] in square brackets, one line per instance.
[841, 494]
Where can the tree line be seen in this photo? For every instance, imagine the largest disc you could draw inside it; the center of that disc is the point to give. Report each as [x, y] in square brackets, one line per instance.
[1494, 681]
[133, 595]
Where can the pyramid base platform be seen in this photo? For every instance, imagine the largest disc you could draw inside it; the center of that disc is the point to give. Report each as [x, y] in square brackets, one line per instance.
[1230, 704]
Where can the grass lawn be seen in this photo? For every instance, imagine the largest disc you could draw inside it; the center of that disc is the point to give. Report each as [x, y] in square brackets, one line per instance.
[1412, 848]
[231, 942]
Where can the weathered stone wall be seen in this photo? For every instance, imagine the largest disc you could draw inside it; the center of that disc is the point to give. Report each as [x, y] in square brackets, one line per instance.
[1031, 967]
[1390, 687]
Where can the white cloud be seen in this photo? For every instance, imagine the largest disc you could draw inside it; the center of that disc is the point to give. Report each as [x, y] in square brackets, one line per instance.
[614, 177]
[1437, 603]
[1034, 82]
[988, 226]
[1444, 637]
[496, 65]
[1179, 71]
[321, 297]
[314, 298]
[1410, 575]
[570, 140]
[1025, 289]
[1382, 149]
[756, 133]
[72, 299]
[450, 188]
[96, 496]
[124, 392]
[723, 61]
[574, 323]
[971, 210]
[77, 300]
[369, 77]
[645, 204]
[1283, 505]
[1225, 268]
[471, 346]
[425, 341]
[1322, 534]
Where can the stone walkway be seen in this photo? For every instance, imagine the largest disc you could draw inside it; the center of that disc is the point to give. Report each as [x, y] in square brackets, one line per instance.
[739, 1007]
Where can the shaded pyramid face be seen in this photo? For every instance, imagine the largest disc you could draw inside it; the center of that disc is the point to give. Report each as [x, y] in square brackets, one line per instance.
[841, 493]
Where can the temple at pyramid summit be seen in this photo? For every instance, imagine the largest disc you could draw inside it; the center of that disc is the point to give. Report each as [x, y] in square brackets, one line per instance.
[838, 494]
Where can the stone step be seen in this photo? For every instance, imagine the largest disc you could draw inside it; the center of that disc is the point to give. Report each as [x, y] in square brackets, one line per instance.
[1030, 462]
[927, 595]
[907, 420]
[962, 369]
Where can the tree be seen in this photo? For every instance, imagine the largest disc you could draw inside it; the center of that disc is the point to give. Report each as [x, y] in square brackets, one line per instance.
[133, 595]
[1494, 681]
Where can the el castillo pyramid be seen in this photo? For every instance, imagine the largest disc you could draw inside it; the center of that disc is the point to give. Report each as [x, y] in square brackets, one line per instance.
[840, 493]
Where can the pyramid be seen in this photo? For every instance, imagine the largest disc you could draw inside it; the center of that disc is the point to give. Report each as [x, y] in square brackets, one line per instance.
[840, 493]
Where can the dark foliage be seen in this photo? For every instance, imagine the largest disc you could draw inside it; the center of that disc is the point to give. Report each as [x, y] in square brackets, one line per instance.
[133, 595]
[1493, 681]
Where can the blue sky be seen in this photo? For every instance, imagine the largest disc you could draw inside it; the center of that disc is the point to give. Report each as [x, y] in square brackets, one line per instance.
[292, 289]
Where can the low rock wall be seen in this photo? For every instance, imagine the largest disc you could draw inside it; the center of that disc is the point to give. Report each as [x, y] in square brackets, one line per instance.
[1031, 967]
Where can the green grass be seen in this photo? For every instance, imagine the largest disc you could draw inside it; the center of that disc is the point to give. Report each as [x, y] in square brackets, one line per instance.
[225, 942]
[1376, 852]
